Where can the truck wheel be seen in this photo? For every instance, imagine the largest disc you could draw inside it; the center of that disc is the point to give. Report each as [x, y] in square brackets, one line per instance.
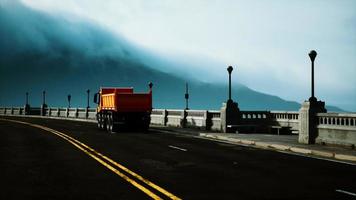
[100, 121]
[105, 122]
[145, 123]
[110, 123]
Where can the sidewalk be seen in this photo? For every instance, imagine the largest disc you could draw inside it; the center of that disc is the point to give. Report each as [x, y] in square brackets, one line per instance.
[286, 143]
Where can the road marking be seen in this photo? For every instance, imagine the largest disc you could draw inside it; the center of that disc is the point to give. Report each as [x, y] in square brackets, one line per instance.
[346, 192]
[285, 152]
[174, 147]
[100, 158]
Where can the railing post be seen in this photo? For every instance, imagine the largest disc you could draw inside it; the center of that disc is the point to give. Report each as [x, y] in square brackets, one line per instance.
[183, 119]
[26, 109]
[67, 112]
[206, 120]
[87, 113]
[165, 117]
[12, 110]
[76, 113]
[58, 112]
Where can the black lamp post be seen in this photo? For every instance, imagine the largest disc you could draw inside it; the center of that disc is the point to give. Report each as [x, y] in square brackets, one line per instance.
[26, 98]
[69, 97]
[229, 69]
[44, 97]
[312, 56]
[88, 91]
[186, 96]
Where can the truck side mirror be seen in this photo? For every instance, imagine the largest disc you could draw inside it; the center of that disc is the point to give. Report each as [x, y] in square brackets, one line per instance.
[96, 98]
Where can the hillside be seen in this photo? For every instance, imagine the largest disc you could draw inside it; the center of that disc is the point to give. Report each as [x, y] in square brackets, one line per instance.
[43, 52]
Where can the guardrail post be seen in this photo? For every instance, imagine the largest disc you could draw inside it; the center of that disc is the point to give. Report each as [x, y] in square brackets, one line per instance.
[165, 117]
[206, 120]
[183, 118]
[76, 113]
[43, 109]
[67, 112]
[87, 112]
[26, 109]
[58, 112]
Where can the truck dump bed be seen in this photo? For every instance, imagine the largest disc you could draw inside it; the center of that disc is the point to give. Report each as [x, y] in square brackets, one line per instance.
[124, 100]
[121, 107]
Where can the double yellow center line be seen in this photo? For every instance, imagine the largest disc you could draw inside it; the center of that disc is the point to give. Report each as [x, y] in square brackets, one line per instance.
[110, 164]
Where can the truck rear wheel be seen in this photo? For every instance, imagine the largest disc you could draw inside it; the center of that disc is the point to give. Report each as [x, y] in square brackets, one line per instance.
[105, 122]
[112, 123]
[100, 121]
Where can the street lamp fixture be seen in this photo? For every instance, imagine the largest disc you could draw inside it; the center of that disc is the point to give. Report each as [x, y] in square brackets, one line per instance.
[44, 97]
[186, 96]
[88, 92]
[229, 70]
[69, 98]
[312, 56]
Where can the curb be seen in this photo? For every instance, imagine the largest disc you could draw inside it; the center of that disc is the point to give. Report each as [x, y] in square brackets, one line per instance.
[280, 147]
[51, 117]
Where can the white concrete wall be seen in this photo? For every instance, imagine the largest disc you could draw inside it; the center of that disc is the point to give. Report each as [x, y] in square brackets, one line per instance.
[175, 118]
[337, 128]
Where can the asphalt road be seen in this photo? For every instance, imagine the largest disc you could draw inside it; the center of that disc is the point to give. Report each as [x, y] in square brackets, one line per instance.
[40, 163]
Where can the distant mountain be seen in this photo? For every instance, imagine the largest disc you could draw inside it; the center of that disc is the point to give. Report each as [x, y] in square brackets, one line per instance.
[43, 52]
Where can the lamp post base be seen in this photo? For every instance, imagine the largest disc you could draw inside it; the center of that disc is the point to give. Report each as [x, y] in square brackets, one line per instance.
[230, 116]
[308, 120]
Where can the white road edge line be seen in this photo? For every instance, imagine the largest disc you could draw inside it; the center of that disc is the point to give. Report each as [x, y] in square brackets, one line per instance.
[174, 147]
[346, 192]
[254, 146]
[285, 152]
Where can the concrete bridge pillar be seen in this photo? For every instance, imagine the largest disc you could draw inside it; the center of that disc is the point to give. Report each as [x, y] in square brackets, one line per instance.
[26, 109]
[230, 117]
[43, 109]
[308, 121]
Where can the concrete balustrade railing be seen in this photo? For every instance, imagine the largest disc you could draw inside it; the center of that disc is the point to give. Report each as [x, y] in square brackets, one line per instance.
[288, 119]
[80, 113]
[197, 118]
[333, 128]
[254, 115]
[159, 117]
[175, 118]
[337, 128]
[215, 120]
[202, 119]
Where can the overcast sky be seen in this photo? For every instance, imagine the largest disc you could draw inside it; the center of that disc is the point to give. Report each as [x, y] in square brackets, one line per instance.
[267, 40]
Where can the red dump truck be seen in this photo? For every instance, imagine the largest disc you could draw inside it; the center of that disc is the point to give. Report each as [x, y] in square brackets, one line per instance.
[122, 108]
